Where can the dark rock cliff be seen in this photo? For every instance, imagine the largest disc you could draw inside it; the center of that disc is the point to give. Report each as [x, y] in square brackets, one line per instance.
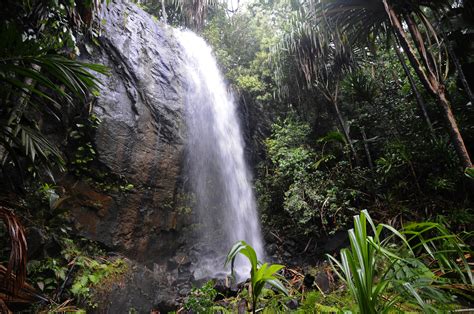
[139, 139]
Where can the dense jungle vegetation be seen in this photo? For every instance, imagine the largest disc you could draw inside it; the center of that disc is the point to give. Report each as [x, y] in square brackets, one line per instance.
[359, 119]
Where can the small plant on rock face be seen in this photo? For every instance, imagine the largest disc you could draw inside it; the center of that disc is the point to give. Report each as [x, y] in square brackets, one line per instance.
[79, 271]
[260, 274]
[91, 273]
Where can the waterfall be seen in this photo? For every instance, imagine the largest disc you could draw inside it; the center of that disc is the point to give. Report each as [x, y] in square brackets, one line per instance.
[219, 178]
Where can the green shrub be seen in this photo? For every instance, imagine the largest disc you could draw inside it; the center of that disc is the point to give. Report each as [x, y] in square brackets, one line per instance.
[303, 180]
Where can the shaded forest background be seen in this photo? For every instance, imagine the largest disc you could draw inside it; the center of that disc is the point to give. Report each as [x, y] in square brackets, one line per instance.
[344, 107]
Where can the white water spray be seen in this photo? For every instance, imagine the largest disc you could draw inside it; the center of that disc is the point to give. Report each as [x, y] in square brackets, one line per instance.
[216, 167]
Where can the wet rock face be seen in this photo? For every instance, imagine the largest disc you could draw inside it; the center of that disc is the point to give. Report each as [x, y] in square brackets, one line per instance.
[140, 137]
[140, 290]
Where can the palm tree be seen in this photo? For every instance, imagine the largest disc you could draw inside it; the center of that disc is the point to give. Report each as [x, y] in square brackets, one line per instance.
[364, 20]
[190, 13]
[416, 92]
[323, 59]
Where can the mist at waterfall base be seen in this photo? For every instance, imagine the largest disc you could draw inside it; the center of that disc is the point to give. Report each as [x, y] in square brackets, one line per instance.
[219, 179]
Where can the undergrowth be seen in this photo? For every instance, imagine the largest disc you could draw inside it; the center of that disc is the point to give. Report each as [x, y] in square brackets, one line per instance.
[420, 267]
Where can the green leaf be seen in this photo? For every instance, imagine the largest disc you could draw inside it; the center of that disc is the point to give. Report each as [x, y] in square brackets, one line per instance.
[259, 274]
[469, 172]
[40, 285]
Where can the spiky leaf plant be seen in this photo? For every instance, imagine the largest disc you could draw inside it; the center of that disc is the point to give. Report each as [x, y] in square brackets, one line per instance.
[385, 268]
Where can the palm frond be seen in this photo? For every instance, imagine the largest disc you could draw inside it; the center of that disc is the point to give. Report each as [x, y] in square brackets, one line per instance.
[36, 83]
[15, 274]
[13, 286]
[322, 51]
[193, 12]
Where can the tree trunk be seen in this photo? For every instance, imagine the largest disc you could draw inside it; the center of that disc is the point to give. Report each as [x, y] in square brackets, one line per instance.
[461, 75]
[343, 124]
[453, 129]
[429, 78]
[366, 147]
[163, 11]
[332, 97]
[415, 90]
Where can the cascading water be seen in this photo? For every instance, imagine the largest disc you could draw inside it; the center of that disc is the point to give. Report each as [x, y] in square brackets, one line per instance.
[216, 167]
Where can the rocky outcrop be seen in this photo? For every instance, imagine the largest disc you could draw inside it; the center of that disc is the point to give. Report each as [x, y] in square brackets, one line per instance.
[142, 290]
[139, 139]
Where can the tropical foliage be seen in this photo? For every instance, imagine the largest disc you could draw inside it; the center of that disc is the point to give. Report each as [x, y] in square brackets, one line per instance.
[420, 267]
[360, 111]
[385, 273]
[307, 180]
[41, 84]
[14, 275]
[39, 80]
[346, 104]
[190, 13]
[260, 274]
